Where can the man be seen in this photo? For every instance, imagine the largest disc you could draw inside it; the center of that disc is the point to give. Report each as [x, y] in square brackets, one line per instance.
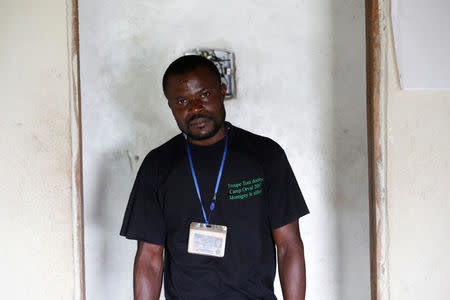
[215, 200]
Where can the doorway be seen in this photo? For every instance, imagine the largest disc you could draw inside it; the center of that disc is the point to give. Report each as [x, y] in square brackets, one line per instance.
[300, 64]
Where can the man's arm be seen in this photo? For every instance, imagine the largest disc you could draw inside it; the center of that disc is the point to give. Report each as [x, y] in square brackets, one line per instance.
[148, 269]
[291, 261]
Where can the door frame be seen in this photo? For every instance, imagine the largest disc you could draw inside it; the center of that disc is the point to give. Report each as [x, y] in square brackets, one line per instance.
[79, 292]
[377, 22]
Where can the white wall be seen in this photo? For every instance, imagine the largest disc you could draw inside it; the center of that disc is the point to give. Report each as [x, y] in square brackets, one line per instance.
[418, 176]
[36, 251]
[300, 80]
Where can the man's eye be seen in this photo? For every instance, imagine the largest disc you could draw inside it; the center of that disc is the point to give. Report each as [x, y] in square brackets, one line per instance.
[205, 94]
[182, 101]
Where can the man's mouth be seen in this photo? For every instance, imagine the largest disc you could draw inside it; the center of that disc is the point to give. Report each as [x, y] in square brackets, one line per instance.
[199, 122]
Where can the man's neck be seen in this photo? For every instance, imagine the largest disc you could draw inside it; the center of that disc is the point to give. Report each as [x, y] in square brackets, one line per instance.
[220, 134]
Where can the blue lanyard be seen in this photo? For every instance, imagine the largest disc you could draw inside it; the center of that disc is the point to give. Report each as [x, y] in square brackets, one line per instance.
[219, 176]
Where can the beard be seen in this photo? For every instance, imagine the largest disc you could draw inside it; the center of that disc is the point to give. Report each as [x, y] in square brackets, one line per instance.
[216, 125]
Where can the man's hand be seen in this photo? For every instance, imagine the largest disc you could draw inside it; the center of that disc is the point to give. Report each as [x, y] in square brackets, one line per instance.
[148, 269]
[291, 261]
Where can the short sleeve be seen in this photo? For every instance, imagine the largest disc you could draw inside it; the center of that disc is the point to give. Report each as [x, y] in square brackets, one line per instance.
[286, 202]
[144, 219]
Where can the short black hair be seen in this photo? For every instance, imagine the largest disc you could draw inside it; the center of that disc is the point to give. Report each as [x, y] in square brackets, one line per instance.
[185, 64]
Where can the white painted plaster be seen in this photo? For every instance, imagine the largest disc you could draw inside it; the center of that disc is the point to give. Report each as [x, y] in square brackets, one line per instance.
[418, 177]
[300, 80]
[36, 250]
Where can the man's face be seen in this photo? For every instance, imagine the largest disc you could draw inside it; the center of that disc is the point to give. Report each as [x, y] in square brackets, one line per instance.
[196, 100]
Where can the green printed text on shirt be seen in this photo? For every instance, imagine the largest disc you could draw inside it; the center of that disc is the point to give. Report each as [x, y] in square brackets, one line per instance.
[245, 188]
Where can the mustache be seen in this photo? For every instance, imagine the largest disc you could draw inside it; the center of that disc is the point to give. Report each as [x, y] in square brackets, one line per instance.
[200, 116]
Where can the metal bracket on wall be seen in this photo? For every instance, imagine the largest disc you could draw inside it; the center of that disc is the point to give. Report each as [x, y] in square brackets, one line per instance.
[224, 61]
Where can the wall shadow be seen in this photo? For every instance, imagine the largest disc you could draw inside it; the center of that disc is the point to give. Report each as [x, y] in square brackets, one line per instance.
[350, 141]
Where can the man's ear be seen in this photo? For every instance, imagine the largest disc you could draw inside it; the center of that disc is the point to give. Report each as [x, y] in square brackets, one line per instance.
[167, 98]
[223, 89]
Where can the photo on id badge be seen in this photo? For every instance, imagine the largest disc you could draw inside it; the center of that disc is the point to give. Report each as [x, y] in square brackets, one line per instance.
[207, 240]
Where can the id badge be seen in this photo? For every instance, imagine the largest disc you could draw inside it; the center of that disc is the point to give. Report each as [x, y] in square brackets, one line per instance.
[207, 240]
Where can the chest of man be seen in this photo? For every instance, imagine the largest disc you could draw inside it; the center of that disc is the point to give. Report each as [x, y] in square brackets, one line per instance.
[240, 203]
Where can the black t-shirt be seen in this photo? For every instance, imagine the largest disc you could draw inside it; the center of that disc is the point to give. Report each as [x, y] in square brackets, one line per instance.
[258, 193]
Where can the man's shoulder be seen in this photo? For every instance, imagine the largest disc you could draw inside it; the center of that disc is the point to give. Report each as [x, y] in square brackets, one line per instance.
[166, 150]
[255, 141]
[173, 144]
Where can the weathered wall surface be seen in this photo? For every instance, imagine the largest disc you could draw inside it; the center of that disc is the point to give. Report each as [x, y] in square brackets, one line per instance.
[35, 174]
[300, 80]
[418, 176]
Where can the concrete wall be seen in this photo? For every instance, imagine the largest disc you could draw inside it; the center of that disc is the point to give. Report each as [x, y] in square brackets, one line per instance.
[418, 176]
[300, 80]
[36, 250]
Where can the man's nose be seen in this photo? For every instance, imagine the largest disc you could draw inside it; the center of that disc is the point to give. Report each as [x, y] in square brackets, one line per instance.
[195, 105]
